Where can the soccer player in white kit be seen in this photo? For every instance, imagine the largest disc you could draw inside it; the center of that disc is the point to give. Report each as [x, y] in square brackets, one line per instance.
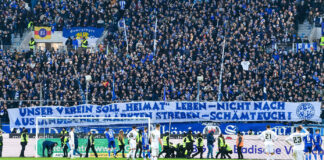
[298, 142]
[155, 139]
[71, 143]
[268, 137]
[132, 143]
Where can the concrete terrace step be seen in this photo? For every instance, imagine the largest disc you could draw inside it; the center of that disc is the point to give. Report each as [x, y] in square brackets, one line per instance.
[304, 29]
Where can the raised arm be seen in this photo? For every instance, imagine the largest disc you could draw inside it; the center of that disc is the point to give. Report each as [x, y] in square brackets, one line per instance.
[306, 133]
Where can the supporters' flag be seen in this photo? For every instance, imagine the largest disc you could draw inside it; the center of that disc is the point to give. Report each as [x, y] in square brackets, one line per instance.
[42, 33]
[105, 84]
[312, 46]
[322, 28]
[113, 89]
[306, 46]
[301, 47]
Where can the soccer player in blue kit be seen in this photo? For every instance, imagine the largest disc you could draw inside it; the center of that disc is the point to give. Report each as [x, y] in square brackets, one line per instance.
[317, 144]
[308, 145]
[145, 144]
[111, 141]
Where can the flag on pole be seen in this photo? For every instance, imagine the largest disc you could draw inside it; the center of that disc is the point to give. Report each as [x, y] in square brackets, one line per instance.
[154, 45]
[125, 35]
[322, 28]
[113, 89]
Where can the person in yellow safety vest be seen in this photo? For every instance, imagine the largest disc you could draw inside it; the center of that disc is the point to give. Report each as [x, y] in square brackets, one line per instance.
[189, 144]
[30, 25]
[23, 141]
[62, 134]
[166, 145]
[65, 144]
[90, 144]
[322, 41]
[84, 43]
[139, 143]
[200, 145]
[32, 44]
[228, 150]
[121, 143]
[183, 146]
[221, 145]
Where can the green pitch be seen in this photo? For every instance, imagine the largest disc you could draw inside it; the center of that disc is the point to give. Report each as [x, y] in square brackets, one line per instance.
[53, 158]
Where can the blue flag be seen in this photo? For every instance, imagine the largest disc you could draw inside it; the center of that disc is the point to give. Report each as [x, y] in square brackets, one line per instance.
[322, 28]
[113, 89]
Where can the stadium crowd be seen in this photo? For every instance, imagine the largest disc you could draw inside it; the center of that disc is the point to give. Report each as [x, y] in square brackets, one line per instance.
[79, 13]
[190, 36]
[311, 10]
[14, 19]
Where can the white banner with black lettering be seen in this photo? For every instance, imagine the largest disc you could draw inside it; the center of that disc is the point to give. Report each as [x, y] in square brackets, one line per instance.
[160, 111]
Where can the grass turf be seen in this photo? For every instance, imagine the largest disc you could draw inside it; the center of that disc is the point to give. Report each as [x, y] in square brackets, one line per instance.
[57, 158]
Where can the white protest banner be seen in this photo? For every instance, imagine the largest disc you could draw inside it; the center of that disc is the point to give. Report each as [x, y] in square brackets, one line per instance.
[160, 111]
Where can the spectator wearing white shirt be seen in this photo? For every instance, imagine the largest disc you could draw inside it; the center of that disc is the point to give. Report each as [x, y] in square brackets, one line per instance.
[245, 65]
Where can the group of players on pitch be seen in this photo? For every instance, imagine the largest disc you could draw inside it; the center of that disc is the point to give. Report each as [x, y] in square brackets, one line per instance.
[302, 141]
[69, 140]
[154, 138]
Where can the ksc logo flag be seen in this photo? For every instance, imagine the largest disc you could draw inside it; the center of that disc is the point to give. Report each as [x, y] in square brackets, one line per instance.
[42, 32]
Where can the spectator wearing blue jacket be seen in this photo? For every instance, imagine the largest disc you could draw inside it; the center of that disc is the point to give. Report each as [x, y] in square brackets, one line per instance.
[49, 145]
[76, 142]
[210, 144]
[75, 43]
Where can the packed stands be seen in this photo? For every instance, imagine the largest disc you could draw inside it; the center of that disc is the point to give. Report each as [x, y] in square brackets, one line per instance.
[190, 39]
